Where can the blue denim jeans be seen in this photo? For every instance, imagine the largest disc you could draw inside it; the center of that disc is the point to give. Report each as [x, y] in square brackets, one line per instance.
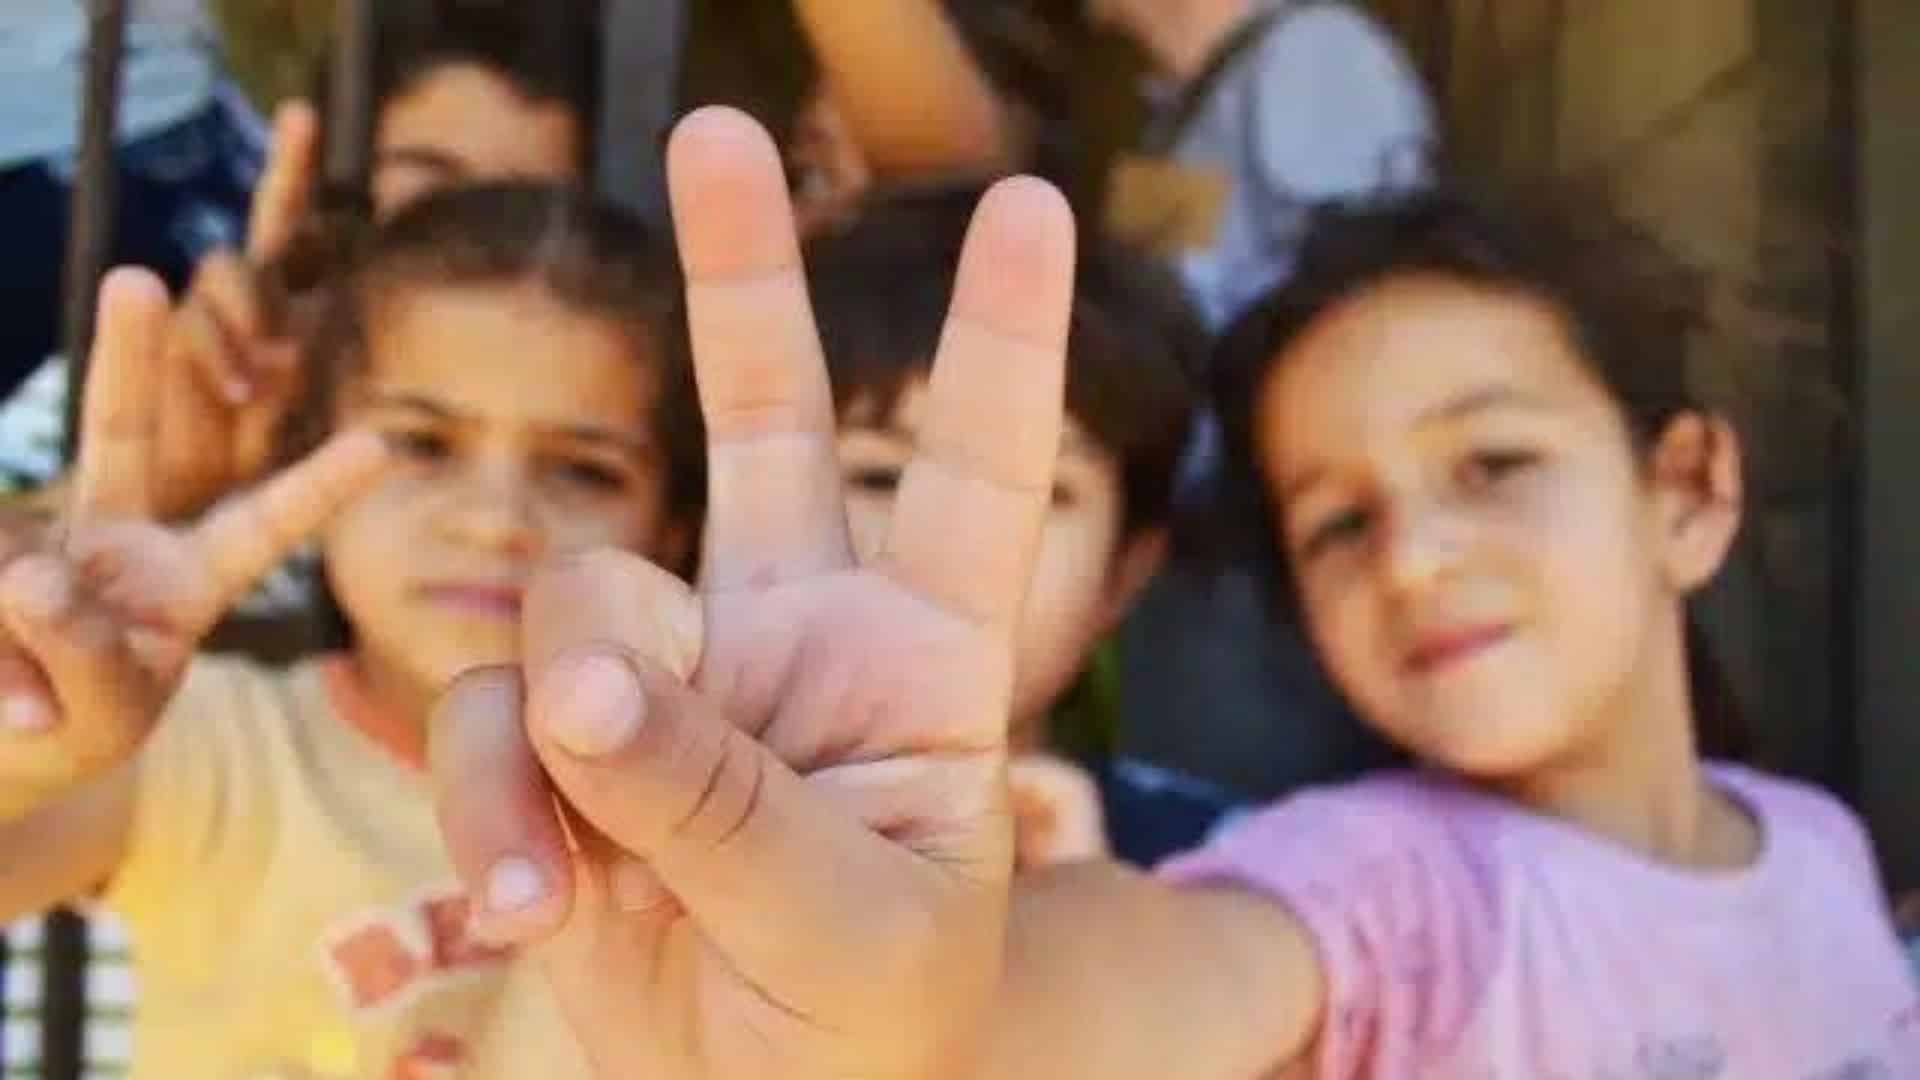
[182, 193]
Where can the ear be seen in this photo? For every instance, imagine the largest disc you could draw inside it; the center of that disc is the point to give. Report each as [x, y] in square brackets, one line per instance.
[1140, 557]
[1698, 492]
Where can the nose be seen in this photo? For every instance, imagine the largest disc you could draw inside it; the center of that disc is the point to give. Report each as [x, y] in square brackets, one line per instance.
[1422, 547]
[492, 509]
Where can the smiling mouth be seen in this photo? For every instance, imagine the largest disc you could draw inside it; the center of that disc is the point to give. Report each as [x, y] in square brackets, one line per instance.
[500, 601]
[1440, 652]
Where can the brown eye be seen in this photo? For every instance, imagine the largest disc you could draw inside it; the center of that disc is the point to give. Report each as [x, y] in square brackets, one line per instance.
[1342, 528]
[418, 445]
[1489, 468]
[593, 475]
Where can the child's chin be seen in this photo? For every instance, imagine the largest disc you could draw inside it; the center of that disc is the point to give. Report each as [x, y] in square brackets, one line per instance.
[1485, 743]
[444, 668]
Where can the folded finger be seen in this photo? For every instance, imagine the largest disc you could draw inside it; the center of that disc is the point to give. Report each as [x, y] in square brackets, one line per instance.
[496, 811]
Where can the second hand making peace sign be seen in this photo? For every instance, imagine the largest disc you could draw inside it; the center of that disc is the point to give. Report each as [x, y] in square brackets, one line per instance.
[788, 789]
[232, 352]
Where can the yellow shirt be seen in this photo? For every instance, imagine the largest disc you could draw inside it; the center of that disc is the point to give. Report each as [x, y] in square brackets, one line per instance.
[529, 1037]
[293, 912]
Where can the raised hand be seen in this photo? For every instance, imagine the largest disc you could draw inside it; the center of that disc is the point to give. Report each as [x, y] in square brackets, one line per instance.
[97, 626]
[788, 789]
[232, 357]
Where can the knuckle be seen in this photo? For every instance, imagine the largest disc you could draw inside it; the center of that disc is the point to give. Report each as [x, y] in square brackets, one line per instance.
[727, 784]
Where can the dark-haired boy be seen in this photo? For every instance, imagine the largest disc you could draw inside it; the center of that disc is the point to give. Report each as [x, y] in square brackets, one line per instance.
[880, 287]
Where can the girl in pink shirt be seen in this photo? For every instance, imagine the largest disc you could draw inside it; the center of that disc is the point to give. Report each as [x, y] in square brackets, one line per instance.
[1493, 494]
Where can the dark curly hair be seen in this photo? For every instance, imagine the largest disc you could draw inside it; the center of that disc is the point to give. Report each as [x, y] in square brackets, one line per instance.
[880, 286]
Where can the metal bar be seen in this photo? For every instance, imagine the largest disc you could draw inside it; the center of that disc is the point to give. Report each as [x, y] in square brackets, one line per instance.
[641, 46]
[63, 1028]
[89, 245]
[349, 124]
[6, 957]
[90, 227]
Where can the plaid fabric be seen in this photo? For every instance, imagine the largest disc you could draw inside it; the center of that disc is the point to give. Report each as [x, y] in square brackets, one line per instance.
[32, 422]
[109, 995]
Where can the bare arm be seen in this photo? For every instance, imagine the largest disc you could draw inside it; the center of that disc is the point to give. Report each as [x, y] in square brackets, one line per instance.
[907, 85]
[65, 848]
[1112, 974]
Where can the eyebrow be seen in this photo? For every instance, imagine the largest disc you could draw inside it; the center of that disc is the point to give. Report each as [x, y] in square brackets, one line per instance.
[582, 433]
[1483, 399]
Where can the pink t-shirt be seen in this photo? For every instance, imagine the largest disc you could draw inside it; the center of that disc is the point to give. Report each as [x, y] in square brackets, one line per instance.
[1463, 937]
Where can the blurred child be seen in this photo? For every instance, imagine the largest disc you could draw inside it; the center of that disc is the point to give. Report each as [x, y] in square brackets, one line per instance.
[1475, 445]
[469, 91]
[880, 287]
[462, 92]
[477, 91]
[271, 839]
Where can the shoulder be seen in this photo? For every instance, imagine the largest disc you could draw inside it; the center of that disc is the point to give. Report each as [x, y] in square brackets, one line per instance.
[1327, 21]
[1327, 37]
[1336, 106]
[1386, 841]
[1801, 821]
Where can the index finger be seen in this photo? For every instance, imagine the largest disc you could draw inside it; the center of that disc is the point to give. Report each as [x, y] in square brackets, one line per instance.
[974, 498]
[120, 402]
[774, 508]
[250, 535]
[281, 198]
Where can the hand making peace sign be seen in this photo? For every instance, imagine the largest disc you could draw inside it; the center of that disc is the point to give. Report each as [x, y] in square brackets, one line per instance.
[788, 787]
[232, 355]
[97, 626]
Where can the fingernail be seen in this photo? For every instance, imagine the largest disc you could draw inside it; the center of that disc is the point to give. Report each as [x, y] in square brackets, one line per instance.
[237, 391]
[25, 714]
[514, 885]
[39, 591]
[595, 706]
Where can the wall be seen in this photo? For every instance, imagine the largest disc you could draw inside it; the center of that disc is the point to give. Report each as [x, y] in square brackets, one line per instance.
[1889, 48]
[1712, 120]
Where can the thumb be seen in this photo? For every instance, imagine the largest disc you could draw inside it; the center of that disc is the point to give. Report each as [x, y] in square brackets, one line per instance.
[781, 879]
[107, 702]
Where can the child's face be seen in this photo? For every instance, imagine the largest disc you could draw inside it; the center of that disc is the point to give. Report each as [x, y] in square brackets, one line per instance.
[1082, 581]
[1483, 564]
[520, 429]
[461, 124]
